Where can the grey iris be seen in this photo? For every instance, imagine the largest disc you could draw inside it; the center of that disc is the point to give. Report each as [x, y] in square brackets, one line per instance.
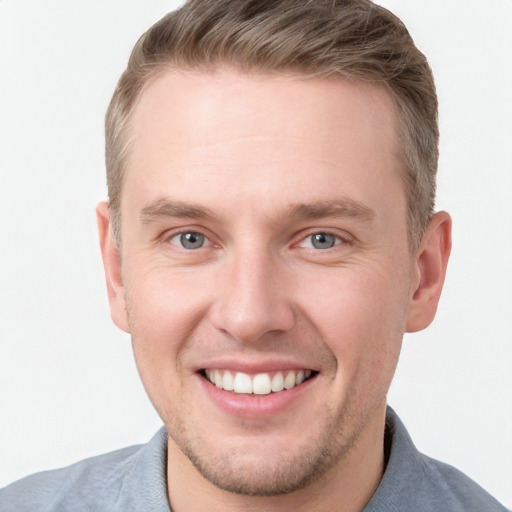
[192, 240]
[323, 241]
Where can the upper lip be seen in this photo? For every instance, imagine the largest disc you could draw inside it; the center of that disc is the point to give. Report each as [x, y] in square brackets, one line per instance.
[253, 366]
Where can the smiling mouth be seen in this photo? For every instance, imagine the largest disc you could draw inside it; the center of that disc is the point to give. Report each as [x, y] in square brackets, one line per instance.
[259, 384]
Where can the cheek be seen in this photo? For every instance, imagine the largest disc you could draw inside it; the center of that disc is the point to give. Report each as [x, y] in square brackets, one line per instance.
[360, 316]
[162, 315]
[164, 311]
[162, 303]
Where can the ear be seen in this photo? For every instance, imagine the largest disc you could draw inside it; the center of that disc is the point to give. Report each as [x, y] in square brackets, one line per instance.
[431, 261]
[112, 265]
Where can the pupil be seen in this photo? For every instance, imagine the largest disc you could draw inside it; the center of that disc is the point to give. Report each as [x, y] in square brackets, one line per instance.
[192, 240]
[323, 241]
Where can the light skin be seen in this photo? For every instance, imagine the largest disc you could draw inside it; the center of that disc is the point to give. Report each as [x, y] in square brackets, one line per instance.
[263, 226]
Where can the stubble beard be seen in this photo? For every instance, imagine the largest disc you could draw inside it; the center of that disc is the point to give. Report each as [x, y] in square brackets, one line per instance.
[239, 472]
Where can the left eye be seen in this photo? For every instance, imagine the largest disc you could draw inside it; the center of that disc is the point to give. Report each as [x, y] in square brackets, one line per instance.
[190, 240]
[320, 241]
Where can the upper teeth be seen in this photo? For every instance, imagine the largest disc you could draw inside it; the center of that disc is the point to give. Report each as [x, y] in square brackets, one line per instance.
[260, 384]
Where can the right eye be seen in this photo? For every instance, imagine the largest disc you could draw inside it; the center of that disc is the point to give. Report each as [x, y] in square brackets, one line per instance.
[190, 240]
[321, 240]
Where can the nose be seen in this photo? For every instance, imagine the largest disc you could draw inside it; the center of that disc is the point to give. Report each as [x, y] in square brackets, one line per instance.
[252, 299]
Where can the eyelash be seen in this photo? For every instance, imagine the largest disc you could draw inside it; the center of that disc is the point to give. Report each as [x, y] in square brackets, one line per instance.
[341, 239]
[183, 233]
[338, 240]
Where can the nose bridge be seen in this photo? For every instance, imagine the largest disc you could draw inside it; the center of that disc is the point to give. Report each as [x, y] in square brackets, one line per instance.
[252, 298]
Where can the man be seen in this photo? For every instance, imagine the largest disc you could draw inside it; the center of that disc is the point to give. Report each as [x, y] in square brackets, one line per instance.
[269, 237]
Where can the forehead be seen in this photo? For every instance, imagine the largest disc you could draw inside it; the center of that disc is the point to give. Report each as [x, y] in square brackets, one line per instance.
[254, 130]
[251, 100]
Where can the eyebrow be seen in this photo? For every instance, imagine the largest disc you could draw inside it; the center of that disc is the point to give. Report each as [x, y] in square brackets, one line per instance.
[162, 208]
[341, 208]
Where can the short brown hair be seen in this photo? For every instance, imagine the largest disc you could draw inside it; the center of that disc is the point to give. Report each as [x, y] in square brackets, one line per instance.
[355, 39]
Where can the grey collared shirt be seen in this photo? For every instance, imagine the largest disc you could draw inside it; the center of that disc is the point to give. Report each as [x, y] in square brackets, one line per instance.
[134, 480]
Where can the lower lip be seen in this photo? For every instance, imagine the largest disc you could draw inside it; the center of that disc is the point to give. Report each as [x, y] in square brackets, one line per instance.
[254, 406]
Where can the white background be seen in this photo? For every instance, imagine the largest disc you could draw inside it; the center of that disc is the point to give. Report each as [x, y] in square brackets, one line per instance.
[68, 385]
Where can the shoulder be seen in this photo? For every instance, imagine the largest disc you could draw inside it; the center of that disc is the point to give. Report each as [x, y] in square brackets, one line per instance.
[99, 483]
[84, 480]
[445, 484]
[413, 481]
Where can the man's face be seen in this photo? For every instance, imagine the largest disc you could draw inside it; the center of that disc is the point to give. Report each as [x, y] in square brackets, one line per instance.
[264, 242]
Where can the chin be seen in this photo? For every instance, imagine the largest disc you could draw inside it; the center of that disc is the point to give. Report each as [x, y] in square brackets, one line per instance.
[259, 476]
[259, 467]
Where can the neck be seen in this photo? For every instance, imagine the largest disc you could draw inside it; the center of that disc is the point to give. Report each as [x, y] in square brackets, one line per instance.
[347, 486]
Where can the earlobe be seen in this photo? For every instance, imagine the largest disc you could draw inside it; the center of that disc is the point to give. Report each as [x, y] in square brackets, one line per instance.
[112, 266]
[431, 262]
